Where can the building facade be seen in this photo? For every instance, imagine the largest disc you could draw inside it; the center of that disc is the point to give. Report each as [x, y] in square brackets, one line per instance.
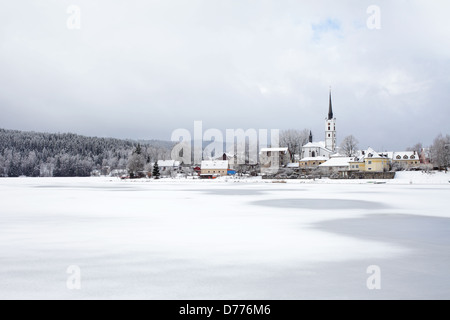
[214, 168]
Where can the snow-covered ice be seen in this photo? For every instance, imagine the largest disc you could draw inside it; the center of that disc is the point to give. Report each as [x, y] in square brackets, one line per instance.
[224, 239]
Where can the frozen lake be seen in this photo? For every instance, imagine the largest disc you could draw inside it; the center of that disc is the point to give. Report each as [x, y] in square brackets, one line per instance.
[223, 240]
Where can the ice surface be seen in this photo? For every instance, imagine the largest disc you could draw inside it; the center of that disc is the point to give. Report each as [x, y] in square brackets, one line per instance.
[223, 239]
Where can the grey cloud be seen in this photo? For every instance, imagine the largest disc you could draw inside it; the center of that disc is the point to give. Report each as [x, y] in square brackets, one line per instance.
[140, 69]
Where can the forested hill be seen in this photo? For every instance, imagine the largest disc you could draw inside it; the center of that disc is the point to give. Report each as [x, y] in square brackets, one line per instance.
[46, 154]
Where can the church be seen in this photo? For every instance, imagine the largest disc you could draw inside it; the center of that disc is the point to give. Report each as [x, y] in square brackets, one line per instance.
[316, 153]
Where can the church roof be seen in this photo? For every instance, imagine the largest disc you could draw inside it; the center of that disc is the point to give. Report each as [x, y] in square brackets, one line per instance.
[319, 144]
[330, 109]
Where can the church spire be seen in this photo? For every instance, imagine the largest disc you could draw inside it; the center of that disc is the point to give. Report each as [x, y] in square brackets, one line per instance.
[310, 136]
[330, 109]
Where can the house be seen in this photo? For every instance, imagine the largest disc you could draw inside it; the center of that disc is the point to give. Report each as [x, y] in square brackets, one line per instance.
[404, 159]
[312, 162]
[357, 163]
[231, 158]
[214, 168]
[274, 157]
[370, 161]
[167, 167]
[197, 170]
[336, 164]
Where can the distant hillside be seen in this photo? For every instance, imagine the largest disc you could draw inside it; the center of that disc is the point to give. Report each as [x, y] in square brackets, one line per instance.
[68, 155]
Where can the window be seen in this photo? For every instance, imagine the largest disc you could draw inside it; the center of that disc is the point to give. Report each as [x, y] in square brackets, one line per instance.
[398, 157]
[314, 163]
[370, 162]
[357, 166]
[369, 169]
[353, 166]
[405, 157]
[329, 135]
[329, 128]
[412, 157]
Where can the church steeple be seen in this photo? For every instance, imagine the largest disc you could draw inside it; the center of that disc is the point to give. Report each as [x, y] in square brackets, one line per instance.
[330, 109]
[310, 136]
[330, 129]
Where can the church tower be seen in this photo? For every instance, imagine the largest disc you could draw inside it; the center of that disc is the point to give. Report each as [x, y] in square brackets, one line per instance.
[330, 129]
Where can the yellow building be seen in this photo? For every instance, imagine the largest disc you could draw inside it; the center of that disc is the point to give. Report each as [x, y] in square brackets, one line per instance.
[214, 168]
[376, 164]
[357, 165]
[311, 163]
[406, 159]
[370, 161]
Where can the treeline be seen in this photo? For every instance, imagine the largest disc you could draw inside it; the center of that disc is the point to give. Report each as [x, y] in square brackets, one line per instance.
[36, 154]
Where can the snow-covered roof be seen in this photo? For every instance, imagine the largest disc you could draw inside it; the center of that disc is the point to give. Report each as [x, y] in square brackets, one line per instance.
[315, 159]
[370, 154]
[337, 155]
[274, 150]
[168, 163]
[216, 164]
[337, 162]
[402, 155]
[319, 144]
[293, 165]
[359, 158]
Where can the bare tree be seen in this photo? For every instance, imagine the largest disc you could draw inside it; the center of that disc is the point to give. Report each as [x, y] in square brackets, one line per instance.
[440, 151]
[349, 145]
[294, 140]
[417, 148]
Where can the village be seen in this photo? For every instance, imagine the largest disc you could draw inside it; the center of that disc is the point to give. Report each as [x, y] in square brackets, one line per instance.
[317, 159]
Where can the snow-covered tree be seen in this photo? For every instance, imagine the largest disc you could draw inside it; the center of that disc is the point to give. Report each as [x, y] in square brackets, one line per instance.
[294, 140]
[349, 146]
[65, 155]
[137, 161]
[417, 148]
[440, 152]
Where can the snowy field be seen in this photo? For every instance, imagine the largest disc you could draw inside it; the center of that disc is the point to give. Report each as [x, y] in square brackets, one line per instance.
[251, 239]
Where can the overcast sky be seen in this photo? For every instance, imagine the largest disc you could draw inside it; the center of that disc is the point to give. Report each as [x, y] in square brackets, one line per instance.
[140, 69]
